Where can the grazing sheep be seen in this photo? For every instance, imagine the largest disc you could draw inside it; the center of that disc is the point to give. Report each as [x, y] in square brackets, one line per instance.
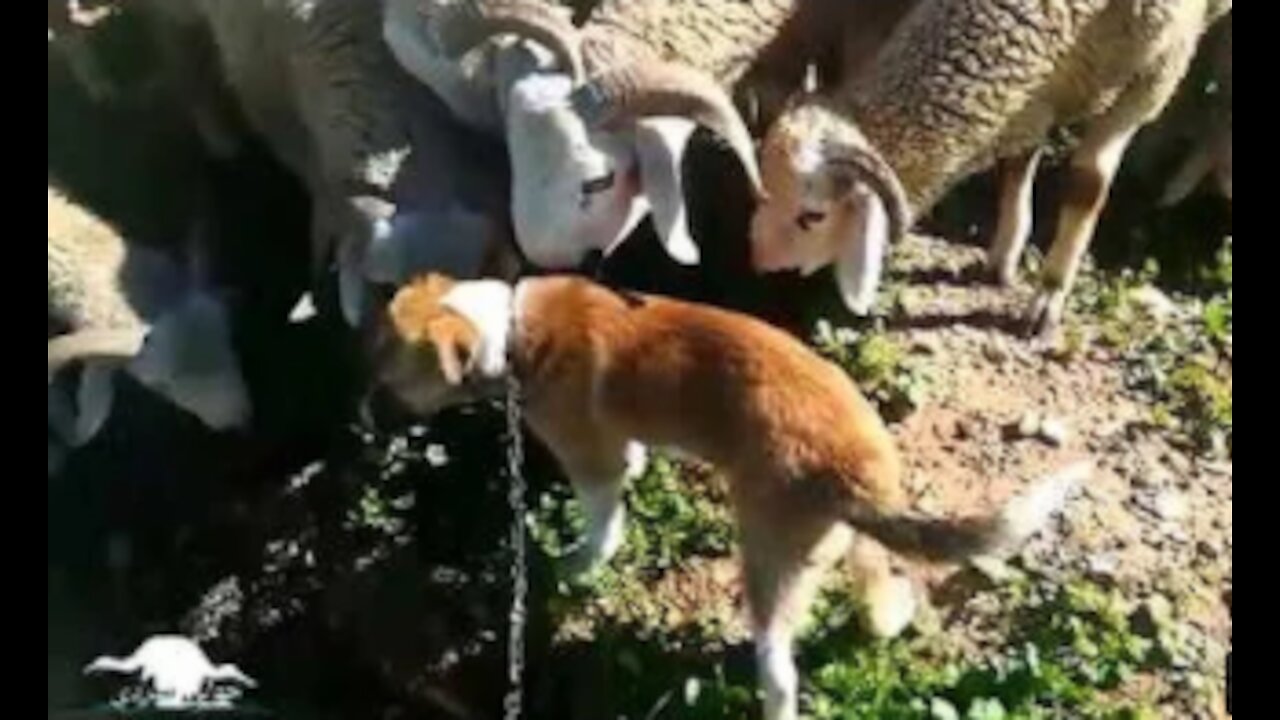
[591, 157]
[960, 85]
[397, 185]
[114, 305]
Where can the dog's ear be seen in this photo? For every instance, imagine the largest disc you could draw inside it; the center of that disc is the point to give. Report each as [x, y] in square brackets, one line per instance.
[455, 360]
[456, 343]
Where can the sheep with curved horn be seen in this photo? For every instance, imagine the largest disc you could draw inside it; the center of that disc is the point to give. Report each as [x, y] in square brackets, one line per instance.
[121, 307]
[959, 85]
[590, 159]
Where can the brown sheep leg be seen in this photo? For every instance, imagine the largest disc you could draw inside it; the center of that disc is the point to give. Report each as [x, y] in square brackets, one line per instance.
[1017, 177]
[1093, 167]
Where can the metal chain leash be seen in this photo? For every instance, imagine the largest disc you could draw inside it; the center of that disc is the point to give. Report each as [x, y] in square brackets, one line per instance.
[512, 703]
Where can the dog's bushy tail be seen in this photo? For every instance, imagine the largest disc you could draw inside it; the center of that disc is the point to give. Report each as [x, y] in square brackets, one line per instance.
[957, 540]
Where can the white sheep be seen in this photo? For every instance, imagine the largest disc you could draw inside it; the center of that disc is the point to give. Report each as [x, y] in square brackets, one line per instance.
[597, 117]
[118, 306]
[960, 85]
[397, 186]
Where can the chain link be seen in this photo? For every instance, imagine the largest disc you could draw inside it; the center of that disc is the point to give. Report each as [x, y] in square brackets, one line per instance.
[519, 567]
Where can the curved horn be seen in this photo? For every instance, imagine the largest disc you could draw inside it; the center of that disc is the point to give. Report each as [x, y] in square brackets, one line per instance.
[460, 26]
[866, 165]
[668, 89]
[117, 344]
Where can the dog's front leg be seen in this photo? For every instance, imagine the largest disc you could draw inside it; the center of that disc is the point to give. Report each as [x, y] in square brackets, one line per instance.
[599, 479]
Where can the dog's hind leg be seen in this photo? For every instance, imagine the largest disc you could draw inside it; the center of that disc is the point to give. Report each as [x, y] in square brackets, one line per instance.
[785, 557]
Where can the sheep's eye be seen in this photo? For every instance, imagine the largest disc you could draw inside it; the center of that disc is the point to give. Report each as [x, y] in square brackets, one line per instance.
[597, 185]
[809, 218]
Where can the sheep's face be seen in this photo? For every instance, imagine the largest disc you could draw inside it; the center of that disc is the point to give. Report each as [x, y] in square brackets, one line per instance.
[819, 210]
[573, 191]
[797, 226]
[189, 359]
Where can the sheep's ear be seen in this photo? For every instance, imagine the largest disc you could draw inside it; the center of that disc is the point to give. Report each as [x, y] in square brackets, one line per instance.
[861, 256]
[660, 147]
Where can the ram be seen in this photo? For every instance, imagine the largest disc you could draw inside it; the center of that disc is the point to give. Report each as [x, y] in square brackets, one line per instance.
[961, 85]
[597, 120]
[118, 306]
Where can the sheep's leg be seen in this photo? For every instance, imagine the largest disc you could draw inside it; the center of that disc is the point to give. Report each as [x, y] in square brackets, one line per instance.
[1093, 168]
[1017, 178]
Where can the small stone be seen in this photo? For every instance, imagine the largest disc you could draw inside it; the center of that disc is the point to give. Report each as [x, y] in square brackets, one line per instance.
[1170, 506]
[925, 345]
[1178, 535]
[1221, 469]
[1103, 565]
[1206, 550]
[994, 569]
[1054, 431]
[1154, 302]
[1152, 616]
[1110, 429]
[1028, 425]
[1148, 476]
[996, 351]
[436, 455]
[965, 430]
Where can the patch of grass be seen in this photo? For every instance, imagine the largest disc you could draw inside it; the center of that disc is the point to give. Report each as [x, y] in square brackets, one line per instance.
[1064, 650]
[1177, 350]
[677, 513]
[883, 369]
[1068, 651]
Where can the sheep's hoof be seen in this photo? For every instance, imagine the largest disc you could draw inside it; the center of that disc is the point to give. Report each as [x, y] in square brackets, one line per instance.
[1002, 275]
[1001, 270]
[1044, 316]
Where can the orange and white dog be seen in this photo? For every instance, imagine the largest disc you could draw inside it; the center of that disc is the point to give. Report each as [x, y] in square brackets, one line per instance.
[808, 460]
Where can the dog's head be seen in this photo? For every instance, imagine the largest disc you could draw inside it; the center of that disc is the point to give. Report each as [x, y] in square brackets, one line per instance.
[424, 350]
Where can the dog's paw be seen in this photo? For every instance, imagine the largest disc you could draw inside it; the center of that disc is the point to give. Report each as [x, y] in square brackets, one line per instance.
[580, 567]
[891, 606]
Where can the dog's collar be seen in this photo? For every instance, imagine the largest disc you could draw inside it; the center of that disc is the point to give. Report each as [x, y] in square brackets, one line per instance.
[513, 332]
